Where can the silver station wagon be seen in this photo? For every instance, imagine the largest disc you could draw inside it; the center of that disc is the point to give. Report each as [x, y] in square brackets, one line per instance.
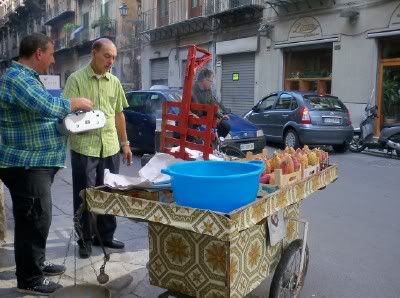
[296, 119]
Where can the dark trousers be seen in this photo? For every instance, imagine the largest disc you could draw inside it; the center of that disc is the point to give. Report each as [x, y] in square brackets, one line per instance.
[88, 172]
[31, 198]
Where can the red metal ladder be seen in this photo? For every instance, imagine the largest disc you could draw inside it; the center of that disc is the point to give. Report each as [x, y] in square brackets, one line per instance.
[183, 122]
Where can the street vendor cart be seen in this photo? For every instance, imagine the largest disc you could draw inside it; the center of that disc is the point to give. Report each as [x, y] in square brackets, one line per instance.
[202, 253]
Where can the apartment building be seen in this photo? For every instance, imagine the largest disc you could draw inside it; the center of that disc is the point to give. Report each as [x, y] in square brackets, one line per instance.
[73, 25]
[76, 24]
[17, 19]
[341, 47]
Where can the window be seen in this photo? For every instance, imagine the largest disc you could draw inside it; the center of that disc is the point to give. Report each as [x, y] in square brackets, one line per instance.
[136, 101]
[105, 9]
[391, 48]
[163, 8]
[284, 102]
[326, 103]
[153, 105]
[85, 20]
[294, 105]
[195, 3]
[267, 103]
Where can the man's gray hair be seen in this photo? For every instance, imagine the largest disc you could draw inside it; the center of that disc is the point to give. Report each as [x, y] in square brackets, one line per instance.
[204, 73]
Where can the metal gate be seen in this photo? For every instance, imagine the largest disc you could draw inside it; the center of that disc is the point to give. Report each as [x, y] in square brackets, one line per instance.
[237, 86]
[159, 71]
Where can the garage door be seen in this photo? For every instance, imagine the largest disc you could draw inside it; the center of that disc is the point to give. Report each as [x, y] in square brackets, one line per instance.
[237, 86]
[159, 71]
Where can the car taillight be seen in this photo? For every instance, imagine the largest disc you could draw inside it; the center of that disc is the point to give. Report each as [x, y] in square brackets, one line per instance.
[349, 115]
[305, 116]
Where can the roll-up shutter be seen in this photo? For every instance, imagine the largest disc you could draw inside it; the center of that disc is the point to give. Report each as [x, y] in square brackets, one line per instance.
[159, 71]
[237, 84]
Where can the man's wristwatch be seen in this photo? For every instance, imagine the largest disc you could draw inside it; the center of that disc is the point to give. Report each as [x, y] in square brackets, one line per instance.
[125, 143]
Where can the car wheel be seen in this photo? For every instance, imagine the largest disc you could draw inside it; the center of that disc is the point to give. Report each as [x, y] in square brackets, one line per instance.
[291, 139]
[341, 148]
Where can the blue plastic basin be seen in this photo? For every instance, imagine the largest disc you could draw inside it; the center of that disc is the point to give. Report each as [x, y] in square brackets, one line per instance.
[215, 185]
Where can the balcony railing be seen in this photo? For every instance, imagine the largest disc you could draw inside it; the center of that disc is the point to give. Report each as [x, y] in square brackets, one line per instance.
[175, 12]
[64, 9]
[13, 5]
[84, 36]
[178, 11]
[4, 56]
[212, 7]
[62, 43]
[18, 3]
[108, 29]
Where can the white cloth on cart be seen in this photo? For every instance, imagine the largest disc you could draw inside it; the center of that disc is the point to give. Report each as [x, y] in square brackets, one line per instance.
[150, 175]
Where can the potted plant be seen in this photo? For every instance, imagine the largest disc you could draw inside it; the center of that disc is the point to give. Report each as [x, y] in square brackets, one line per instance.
[69, 27]
[391, 96]
[106, 25]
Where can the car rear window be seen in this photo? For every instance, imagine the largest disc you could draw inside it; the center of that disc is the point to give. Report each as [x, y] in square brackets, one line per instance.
[136, 99]
[174, 96]
[325, 103]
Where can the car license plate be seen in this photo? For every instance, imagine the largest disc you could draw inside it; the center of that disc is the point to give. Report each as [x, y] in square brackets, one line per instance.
[248, 146]
[332, 120]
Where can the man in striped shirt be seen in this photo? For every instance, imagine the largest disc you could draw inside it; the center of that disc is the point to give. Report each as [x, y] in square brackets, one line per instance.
[94, 151]
[31, 152]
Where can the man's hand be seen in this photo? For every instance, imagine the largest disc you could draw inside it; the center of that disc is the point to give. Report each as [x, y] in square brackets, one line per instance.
[80, 103]
[127, 154]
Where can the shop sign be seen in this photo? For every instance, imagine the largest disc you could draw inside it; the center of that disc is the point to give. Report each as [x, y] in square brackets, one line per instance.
[235, 76]
[395, 19]
[305, 28]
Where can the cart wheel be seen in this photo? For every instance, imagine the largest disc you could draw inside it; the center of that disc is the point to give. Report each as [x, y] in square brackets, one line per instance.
[284, 281]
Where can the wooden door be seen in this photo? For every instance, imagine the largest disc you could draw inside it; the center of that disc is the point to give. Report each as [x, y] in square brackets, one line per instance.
[162, 12]
[195, 8]
[388, 93]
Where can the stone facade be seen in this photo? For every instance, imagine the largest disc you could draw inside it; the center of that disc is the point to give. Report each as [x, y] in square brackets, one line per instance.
[2, 213]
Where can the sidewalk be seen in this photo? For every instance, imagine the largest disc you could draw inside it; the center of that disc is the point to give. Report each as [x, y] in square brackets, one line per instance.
[126, 268]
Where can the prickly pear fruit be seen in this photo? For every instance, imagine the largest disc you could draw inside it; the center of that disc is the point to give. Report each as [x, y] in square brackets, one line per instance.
[287, 165]
[296, 163]
[312, 158]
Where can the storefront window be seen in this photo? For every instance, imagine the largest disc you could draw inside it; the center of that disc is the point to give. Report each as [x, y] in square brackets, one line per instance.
[391, 94]
[391, 48]
[309, 69]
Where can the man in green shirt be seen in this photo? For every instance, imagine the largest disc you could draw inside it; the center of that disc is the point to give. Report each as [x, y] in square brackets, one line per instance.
[94, 151]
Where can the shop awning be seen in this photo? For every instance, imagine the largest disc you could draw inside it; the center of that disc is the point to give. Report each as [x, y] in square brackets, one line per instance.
[289, 6]
[288, 44]
[385, 33]
[76, 32]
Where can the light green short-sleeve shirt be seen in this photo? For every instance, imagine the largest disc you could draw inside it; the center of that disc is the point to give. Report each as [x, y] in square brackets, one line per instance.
[108, 96]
